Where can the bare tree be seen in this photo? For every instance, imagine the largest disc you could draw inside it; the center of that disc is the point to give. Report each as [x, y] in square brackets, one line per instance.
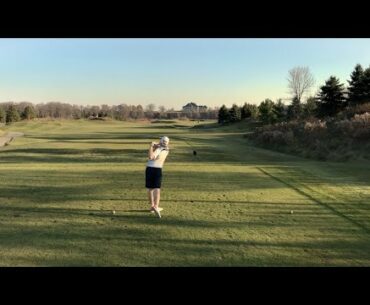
[123, 112]
[300, 80]
[162, 110]
[149, 111]
[150, 107]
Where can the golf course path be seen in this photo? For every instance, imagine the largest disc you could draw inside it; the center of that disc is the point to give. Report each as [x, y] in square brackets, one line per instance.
[10, 136]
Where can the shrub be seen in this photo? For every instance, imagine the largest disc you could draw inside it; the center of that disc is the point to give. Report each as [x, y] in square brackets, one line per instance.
[338, 140]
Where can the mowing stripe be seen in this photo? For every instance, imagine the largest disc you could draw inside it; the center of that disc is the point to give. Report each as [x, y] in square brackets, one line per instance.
[183, 139]
[187, 143]
[328, 207]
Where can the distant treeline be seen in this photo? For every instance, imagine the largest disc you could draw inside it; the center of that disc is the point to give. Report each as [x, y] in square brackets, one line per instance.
[333, 98]
[332, 125]
[13, 112]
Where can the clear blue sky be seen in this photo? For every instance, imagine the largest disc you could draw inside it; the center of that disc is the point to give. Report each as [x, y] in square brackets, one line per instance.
[169, 72]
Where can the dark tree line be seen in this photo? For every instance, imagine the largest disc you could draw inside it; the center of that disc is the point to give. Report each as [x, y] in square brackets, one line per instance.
[13, 112]
[331, 99]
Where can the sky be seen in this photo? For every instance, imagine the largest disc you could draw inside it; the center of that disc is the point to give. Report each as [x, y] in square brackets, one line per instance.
[168, 72]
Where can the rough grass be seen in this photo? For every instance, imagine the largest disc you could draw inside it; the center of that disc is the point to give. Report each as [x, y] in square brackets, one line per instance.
[338, 140]
[228, 206]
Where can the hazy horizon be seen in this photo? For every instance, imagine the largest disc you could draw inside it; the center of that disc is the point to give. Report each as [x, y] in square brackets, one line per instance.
[168, 72]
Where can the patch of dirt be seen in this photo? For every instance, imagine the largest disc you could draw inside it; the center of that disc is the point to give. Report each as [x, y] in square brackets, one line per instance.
[9, 137]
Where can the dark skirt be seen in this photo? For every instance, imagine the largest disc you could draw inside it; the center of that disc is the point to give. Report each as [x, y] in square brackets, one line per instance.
[153, 178]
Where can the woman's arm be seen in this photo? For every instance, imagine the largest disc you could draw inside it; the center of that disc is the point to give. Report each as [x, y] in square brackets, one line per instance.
[152, 148]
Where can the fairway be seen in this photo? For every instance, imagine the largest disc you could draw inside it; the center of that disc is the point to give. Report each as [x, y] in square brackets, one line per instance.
[230, 205]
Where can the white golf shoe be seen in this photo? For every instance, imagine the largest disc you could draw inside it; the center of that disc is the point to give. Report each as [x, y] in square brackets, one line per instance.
[157, 212]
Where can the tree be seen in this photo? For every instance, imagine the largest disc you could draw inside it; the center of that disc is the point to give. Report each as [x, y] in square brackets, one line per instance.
[300, 80]
[309, 109]
[77, 111]
[149, 109]
[94, 111]
[279, 111]
[356, 86]
[162, 110]
[28, 113]
[223, 115]
[295, 109]
[2, 115]
[366, 86]
[105, 111]
[22, 106]
[140, 112]
[249, 111]
[235, 114]
[12, 115]
[266, 113]
[132, 112]
[123, 112]
[331, 97]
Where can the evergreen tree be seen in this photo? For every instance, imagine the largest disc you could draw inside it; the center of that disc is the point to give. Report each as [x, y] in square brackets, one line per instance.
[254, 111]
[12, 114]
[310, 107]
[356, 86]
[249, 111]
[295, 109]
[266, 113]
[235, 114]
[279, 111]
[366, 86]
[28, 113]
[223, 115]
[331, 99]
[2, 115]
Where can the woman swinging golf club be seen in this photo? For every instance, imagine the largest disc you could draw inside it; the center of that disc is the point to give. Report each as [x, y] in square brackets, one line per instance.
[153, 175]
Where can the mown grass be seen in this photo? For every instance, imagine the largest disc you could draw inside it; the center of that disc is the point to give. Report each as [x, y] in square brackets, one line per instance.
[228, 206]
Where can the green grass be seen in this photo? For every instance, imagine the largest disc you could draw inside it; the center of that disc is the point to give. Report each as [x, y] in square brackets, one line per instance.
[228, 206]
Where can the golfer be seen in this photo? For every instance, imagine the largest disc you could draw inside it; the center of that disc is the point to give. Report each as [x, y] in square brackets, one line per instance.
[157, 154]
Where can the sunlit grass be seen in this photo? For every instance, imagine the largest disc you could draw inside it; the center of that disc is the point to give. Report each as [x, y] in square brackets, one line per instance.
[231, 205]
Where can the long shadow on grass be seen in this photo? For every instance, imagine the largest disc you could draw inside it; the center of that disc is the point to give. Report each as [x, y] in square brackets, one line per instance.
[104, 142]
[95, 155]
[144, 217]
[320, 202]
[132, 179]
[103, 185]
[84, 243]
[99, 155]
[48, 193]
[77, 151]
[100, 136]
[261, 219]
[209, 150]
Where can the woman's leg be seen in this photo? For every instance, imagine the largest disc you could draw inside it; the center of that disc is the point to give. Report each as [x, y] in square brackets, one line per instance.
[157, 197]
[151, 197]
